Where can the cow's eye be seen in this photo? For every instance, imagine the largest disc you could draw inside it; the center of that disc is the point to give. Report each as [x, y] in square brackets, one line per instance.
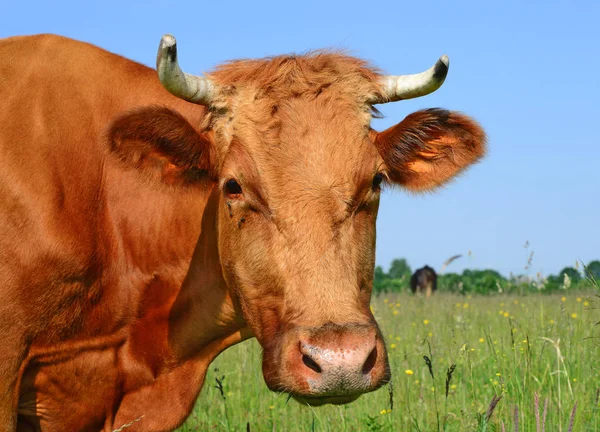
[232, 188]
[377, 180]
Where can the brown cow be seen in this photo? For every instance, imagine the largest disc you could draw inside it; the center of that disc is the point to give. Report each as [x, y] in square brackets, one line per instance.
[424, 281]
[143, 234]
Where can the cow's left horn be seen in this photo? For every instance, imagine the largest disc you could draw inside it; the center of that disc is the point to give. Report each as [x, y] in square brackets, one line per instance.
[395, 88]
[191, 88]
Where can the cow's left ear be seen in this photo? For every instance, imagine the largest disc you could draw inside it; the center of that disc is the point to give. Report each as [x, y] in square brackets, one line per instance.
[163, 145]
[429, 147]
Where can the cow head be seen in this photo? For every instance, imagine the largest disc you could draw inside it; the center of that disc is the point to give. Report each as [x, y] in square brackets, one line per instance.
[288, 144]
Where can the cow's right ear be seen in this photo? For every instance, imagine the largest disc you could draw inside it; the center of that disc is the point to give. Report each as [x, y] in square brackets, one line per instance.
[163, 144]
[430, 147]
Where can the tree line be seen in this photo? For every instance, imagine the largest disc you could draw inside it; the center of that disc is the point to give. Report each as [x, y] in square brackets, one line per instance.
[397, 279]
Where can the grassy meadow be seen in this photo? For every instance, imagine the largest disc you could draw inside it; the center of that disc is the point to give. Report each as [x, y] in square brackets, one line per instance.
[509, 346]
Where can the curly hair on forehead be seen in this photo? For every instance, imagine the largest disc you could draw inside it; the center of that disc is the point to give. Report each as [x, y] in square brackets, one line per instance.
[287, 76]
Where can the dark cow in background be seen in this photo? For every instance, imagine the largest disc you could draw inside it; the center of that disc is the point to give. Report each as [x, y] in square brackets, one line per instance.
[424, 281]
[149, 221]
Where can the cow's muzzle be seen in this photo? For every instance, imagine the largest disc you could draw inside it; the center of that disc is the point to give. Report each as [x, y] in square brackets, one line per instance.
[330, 364]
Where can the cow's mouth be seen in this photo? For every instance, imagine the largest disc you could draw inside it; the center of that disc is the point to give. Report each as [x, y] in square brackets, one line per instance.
[322, 400]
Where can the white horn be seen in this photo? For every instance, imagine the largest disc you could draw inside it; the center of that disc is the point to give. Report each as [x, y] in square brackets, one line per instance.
[191, 88]
[402, 87]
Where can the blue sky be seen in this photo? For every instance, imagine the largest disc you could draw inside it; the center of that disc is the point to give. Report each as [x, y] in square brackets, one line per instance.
[529, 73]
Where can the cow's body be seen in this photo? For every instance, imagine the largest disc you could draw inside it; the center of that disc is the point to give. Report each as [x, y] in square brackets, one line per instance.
[424, 281]
[92, 256]
[119, 287]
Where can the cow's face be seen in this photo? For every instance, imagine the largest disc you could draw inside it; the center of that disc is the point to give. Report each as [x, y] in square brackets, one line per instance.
[300, 175]
[297, 218]
[288, 144]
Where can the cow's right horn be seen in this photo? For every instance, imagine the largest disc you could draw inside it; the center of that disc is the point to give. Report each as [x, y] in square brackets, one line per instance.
[191, 88]
[395, 88]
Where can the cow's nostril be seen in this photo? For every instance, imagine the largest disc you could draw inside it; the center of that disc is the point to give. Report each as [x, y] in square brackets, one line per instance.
[370, 362]
[310, 363]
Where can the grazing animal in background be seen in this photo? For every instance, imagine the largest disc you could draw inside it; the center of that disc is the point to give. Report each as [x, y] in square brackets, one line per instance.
[146, 230]
[424, 281]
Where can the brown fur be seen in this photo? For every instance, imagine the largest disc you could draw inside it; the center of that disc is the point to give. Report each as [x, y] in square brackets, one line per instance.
[112, 281]
[288, 76]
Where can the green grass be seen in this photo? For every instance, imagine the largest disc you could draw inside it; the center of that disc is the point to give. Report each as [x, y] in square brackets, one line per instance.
[508, 346]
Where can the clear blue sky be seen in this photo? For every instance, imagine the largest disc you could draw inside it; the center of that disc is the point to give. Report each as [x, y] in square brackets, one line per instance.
[528, 72]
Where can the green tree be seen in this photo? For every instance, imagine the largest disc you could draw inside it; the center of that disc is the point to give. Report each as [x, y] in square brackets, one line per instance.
[450, 282]
[384, 283]
[379, 279]
[400, 269]
[573, 274]
[482, 281]
[379, 275]
[553, 283]
[593, 270]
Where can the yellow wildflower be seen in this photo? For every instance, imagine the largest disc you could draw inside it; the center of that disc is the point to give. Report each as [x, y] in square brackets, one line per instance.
[563, 299]
[481, 340]
[578, 299]
[408, 372]
[426, 322]
[574, 315]
[393, 346]
[586, 303]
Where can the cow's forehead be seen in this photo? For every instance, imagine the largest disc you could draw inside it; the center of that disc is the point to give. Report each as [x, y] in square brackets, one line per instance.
[251, 92]
[319, 137]
[283, 77]
[308, 144]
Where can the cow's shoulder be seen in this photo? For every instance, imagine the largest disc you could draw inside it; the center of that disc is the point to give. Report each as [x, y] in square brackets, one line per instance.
[129, 361]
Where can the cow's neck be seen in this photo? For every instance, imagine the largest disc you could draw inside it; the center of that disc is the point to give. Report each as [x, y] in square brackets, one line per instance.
[204, 319]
